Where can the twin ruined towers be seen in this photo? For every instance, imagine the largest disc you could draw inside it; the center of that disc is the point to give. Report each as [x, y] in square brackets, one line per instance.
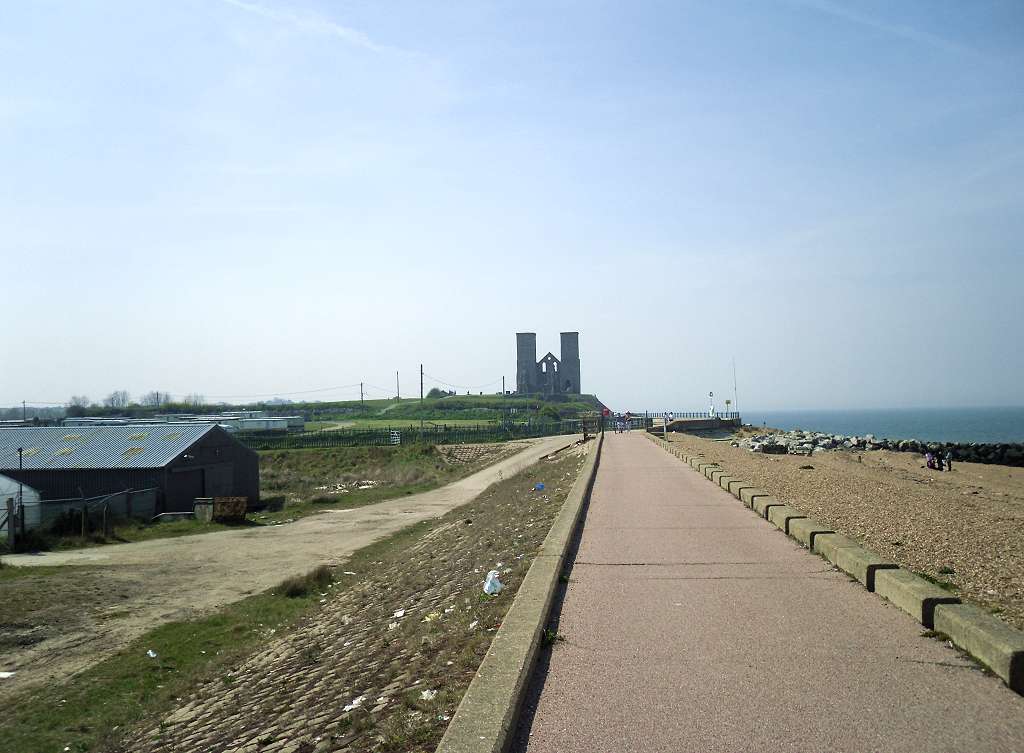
[549, 375]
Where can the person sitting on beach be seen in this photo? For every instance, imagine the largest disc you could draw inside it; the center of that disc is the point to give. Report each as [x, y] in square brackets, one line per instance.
[929, 460]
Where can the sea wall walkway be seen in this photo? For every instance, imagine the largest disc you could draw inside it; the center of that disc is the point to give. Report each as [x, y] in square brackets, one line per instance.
[691, 624]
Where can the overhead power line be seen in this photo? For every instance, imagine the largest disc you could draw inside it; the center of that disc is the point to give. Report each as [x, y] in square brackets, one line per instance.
[462, 386]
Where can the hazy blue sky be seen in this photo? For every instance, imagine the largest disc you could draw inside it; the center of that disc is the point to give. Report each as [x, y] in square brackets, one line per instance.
[237, 197]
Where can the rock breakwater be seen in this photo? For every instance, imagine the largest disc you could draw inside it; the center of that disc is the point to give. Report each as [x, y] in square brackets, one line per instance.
[798, 442]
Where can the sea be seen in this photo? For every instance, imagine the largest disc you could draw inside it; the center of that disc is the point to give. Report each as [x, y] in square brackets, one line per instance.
[993, 425]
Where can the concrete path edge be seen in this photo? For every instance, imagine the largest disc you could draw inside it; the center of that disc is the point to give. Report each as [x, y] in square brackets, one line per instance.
[486, 718]
[993, 643]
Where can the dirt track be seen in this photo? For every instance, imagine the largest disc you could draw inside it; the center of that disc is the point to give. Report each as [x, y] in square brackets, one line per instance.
[123, 591]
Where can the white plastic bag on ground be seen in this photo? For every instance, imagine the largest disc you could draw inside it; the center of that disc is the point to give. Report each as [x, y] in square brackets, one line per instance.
[492, 585]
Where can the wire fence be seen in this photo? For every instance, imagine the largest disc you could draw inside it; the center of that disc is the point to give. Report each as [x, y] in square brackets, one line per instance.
[80, 514]
[428, 434]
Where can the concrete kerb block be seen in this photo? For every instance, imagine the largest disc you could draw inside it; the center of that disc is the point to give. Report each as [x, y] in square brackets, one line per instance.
[747, 495]
[486, 718]
[781, 515]
[915, 596]
[724, 481]
[989, 640]
[862, 564]
[828, 544]
[736, 486]
[805, 530]
[717, 473]
[709, 469]
[763, 504]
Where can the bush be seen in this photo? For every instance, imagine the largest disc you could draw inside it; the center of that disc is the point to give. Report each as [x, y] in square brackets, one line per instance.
[550, 413]
[301, 585]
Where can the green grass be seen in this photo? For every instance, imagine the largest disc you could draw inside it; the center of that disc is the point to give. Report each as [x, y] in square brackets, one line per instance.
[85, 713]
[398, 423]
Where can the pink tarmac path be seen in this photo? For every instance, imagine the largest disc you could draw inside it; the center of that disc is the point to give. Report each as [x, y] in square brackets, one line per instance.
[691, 624]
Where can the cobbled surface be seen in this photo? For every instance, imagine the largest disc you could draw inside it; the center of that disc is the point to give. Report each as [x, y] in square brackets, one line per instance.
[398, 637]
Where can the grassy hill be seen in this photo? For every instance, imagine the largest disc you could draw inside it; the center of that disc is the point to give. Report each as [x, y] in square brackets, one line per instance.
[439, 409]
[447, 408]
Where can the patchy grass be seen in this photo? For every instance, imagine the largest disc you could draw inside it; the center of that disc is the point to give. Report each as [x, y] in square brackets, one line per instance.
[295, 483]
[11, 572]
[87, 713]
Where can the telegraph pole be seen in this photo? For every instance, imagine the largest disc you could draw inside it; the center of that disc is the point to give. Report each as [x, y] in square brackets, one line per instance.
[23, 419]
[361, 396]
[421, 383]
[735, 397]
[503, 385]
[398, 389]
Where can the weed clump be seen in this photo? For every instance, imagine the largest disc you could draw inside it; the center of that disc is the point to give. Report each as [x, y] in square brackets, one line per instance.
[302, 585]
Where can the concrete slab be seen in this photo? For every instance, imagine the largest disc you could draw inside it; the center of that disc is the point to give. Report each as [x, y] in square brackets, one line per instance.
[666, 656]
[763, 504]
[747, 495]
[862, 564]
[828, 544]
[997, 645]
[805, 530]
[780, 516]
[737, 485]
[915, 596]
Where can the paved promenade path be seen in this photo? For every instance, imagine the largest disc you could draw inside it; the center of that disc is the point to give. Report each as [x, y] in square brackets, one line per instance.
[691, 624]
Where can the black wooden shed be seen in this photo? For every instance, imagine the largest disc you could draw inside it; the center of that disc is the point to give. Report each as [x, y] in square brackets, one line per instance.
[184, 461]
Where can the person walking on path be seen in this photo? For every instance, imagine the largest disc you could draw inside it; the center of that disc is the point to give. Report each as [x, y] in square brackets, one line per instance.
[949, 459]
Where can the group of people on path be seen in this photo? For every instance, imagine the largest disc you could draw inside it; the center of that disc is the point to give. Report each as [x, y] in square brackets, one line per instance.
[935, 460]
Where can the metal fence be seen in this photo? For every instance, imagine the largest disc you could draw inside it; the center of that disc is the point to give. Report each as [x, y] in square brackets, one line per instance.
[84, 514]
[428, 434]
[725, 415]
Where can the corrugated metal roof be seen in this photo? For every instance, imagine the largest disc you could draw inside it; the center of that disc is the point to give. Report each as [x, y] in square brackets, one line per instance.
[138, 446]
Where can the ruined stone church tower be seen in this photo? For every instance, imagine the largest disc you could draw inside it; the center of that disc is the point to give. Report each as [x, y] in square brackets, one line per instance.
[549, 375]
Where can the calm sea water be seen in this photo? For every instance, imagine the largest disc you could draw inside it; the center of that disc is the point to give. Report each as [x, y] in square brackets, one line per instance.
[930, 424]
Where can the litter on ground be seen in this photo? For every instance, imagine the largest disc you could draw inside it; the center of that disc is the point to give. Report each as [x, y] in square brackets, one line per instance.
[493, 585]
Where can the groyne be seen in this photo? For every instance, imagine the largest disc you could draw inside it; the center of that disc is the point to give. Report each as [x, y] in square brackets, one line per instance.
[798, 442]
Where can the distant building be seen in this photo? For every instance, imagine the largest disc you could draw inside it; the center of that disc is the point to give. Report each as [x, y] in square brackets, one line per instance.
[549, 375]
[183, 461]
[229, 420]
